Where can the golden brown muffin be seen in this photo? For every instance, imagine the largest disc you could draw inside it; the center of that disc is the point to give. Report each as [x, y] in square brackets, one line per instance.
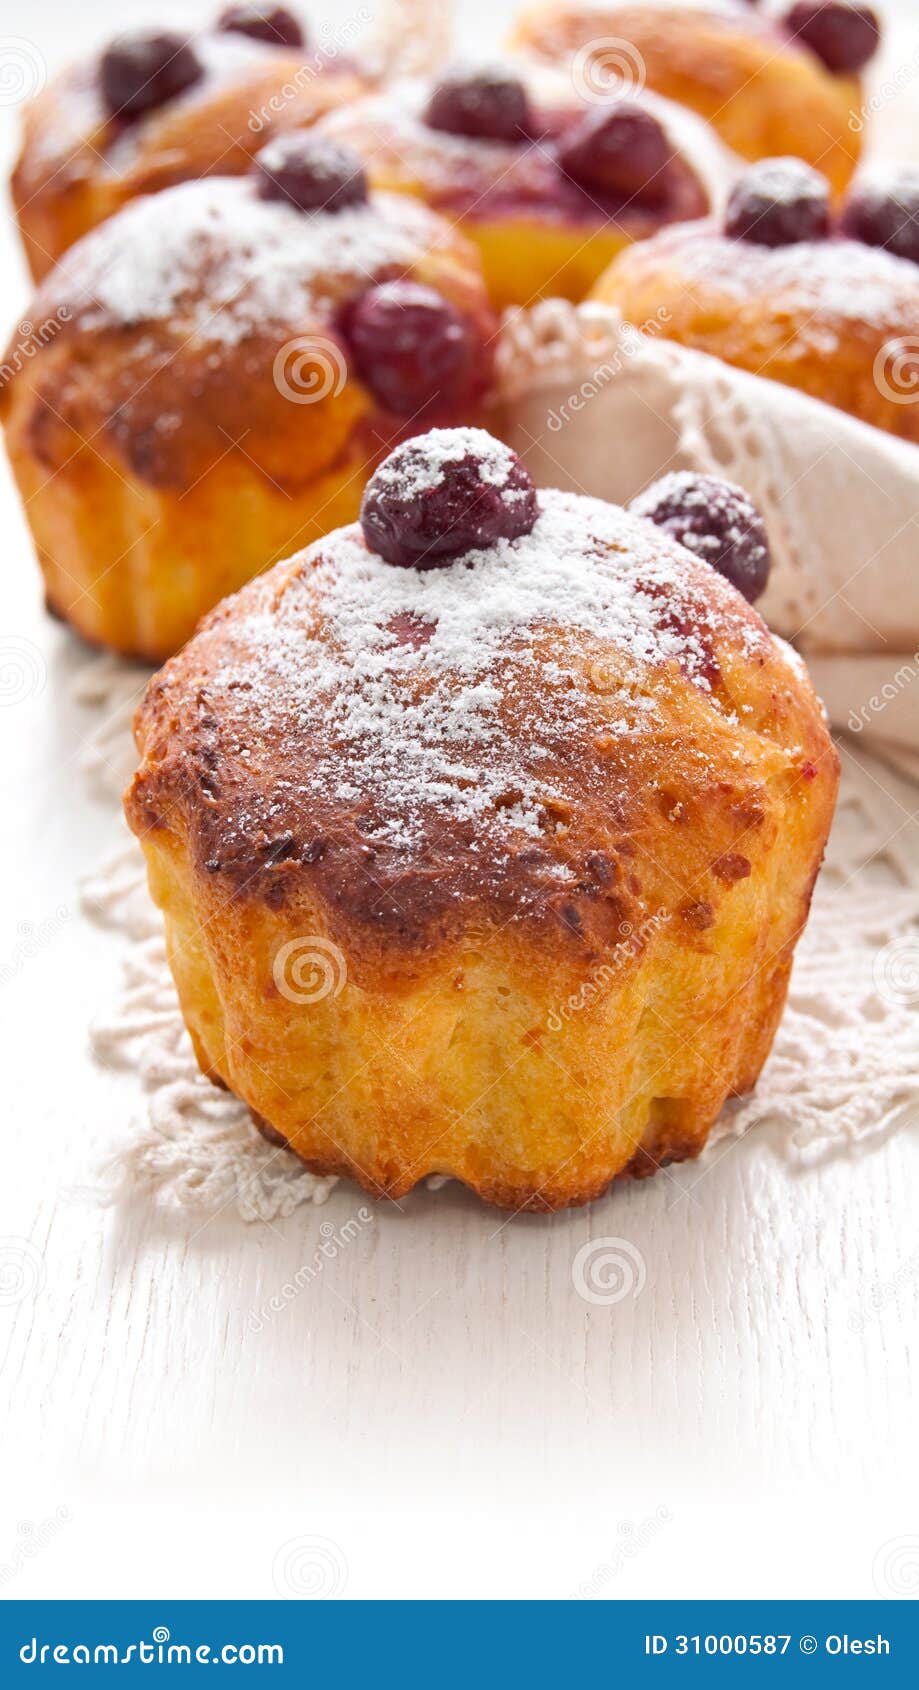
[80, 159]
[485, 853]
[765, 91]
[834, 317]
[218, 374]
[549, 186]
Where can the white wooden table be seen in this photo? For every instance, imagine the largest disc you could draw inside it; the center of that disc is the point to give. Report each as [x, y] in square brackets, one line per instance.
[439, 1405]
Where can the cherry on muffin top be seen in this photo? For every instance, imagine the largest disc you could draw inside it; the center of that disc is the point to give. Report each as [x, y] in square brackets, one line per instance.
[620, 148]
[310, 172]
[274, 25]
[217, 263]
[842, 33]
[457, 491]
[143, 69]
[782, 201]
[449, 492]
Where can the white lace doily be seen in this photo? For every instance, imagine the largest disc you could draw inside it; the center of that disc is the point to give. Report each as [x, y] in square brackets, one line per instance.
[596, 406]
[844, 1070]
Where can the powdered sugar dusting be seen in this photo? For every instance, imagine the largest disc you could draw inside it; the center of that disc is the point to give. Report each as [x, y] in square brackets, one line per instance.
[827, 284]
[419, 466]
[457, 692]
[215, 260]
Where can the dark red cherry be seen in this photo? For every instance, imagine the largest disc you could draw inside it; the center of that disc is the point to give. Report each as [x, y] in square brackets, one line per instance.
[411, 346]
[886, 214]
[485, 105]
[778, 202]
[843, 36]
[619, 149]
[451, 491]
[274, 25]
[716, 520]
[145, 69]
[313, 173]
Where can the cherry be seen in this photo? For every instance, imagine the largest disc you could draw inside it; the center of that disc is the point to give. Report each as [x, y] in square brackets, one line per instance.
[451, 491]
[619, 150]
[778, 202]
[145, 69]
[886, 214]
[484, 105]
[274, 25]
[716, 520]
[313, 173]
[411, 346]
[843, 36]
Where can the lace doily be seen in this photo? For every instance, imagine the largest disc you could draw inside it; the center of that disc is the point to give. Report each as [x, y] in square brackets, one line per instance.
[597, 406]
[844, 1069]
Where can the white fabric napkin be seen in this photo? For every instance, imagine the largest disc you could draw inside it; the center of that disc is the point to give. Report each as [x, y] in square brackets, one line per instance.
[597, 407]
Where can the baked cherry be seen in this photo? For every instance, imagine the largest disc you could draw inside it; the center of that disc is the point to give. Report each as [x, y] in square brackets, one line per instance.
[484, 105]
[145, 69]
[843, 35]
[313, 173]
[451, 491]
[274, 25]
[411, 346]
[619, 149]
[778, 202]
[716, 520]
[886, 214]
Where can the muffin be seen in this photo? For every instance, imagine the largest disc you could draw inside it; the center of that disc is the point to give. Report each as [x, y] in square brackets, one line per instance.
[769, 85]
[549, 186]
[781, 290]
[154, 108]
[485, 828]
[224, 364]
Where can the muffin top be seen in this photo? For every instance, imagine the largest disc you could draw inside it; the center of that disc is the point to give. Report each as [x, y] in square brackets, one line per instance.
[78, 127]
[215, 311]
[215, 260]
[518, 140]
[550, 725]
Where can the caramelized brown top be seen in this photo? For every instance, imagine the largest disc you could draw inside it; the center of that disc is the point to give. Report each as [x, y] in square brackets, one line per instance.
[571, 730]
